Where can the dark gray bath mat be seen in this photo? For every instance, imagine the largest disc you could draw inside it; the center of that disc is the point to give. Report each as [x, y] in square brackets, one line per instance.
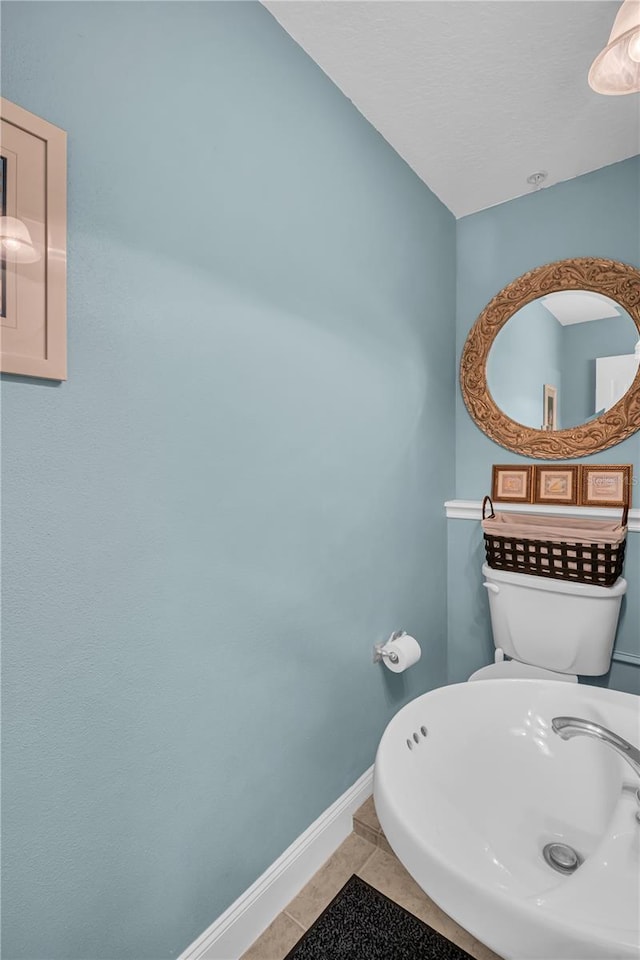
[362, 924]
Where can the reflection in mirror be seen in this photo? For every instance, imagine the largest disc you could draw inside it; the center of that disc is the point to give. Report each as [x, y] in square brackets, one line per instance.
[563, 359]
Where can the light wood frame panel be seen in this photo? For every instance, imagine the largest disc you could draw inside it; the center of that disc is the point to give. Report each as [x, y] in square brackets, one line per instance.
[50, 359]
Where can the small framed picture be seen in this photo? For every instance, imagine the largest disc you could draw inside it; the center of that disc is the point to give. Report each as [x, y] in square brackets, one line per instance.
[606, 485]
[549, 407]
[555, 483]
[511, 483]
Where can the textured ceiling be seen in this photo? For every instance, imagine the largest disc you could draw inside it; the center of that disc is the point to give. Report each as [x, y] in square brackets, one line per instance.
[475, 95]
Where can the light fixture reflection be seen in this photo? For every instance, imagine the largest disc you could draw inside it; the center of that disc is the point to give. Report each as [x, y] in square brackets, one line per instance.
[16, 245]
[616, 69]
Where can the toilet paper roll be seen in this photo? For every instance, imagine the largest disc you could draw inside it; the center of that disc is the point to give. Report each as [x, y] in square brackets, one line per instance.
[407, 650]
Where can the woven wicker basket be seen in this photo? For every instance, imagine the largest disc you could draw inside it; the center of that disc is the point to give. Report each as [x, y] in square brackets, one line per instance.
[585, 551]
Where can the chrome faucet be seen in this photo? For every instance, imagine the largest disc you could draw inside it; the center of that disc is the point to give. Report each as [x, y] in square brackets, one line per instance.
[568, 727]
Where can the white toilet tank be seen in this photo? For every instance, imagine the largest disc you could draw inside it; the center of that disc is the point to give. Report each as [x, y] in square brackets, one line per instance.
[556, 624]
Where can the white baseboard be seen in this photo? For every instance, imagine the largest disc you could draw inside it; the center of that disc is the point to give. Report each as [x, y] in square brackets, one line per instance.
[232, 934]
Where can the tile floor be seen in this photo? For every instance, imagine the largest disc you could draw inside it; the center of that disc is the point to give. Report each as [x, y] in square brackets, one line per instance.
[366, 853]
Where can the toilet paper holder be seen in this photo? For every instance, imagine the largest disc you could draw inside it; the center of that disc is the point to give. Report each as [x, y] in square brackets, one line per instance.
[380, 650]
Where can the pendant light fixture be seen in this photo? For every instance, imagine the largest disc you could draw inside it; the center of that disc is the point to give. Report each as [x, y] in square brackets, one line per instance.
[16, 245]
[616, 69]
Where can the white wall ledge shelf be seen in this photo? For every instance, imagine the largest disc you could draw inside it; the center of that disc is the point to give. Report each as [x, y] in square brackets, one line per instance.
[472, 510]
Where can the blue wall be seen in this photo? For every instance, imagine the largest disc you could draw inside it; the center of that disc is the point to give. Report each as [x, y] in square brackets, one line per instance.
[239, 489]
[594, 215]
[526, 354]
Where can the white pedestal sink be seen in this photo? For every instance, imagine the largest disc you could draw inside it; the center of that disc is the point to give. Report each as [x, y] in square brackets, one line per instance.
[469, 807]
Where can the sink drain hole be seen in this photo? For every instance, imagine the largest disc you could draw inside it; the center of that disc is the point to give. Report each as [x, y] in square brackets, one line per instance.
[562, 857]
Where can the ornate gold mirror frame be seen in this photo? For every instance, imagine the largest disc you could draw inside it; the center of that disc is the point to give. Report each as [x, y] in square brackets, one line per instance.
[609, 277]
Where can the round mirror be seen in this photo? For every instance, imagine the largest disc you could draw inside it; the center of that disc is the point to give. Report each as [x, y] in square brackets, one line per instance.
[551, 368]
[563, 360]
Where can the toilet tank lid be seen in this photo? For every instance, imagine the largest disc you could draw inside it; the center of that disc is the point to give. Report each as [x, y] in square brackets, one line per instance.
[550, 585]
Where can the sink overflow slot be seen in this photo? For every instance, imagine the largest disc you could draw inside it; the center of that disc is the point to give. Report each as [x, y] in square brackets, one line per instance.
[416, 738]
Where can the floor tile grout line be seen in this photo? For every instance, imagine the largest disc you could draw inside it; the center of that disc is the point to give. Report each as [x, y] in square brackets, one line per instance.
[297, 922]
[362, 823]
[376, 849]
[373, 846]
[299, 925]
[371, 855]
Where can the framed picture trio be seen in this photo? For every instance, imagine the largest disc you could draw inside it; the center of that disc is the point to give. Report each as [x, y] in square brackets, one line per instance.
[587, 485]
